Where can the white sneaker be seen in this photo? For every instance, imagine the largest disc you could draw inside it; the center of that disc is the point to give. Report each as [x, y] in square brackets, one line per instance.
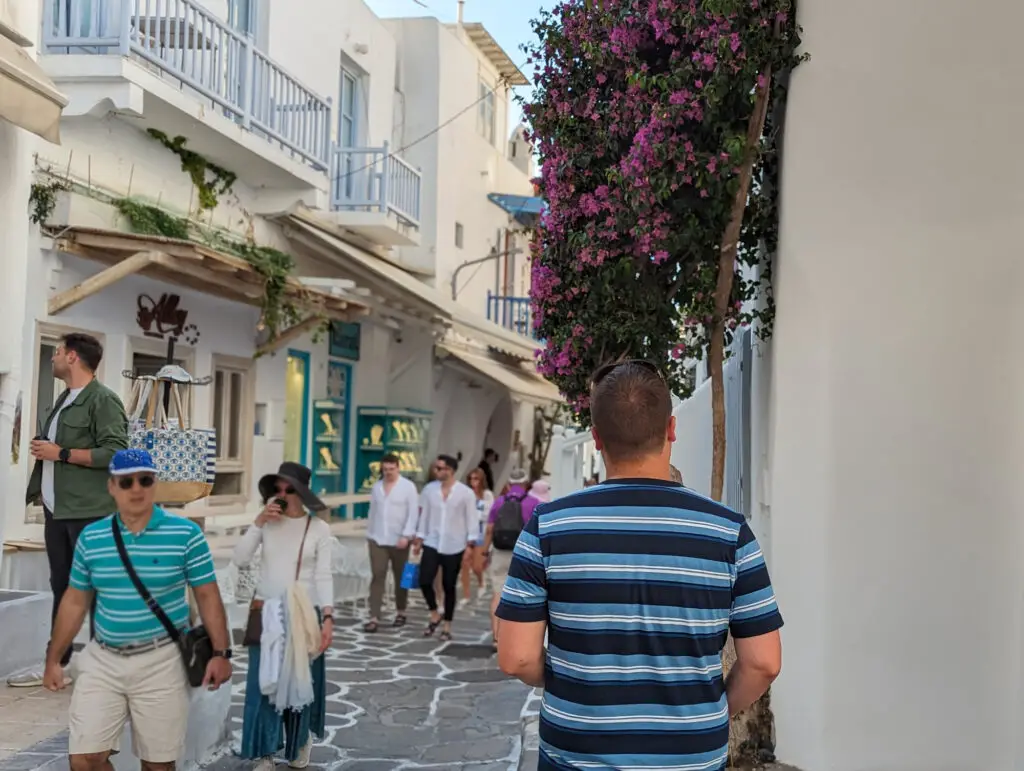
[31, 679]
[303, 760]
[26, 680]
[463, 602]
[265, 764]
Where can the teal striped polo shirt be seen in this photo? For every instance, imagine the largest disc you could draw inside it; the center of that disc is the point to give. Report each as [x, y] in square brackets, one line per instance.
[168, 555]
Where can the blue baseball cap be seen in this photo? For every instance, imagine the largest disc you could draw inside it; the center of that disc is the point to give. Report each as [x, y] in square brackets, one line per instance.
[126, 462]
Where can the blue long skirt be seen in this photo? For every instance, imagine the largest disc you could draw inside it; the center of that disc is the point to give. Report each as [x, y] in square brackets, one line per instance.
[265, 731]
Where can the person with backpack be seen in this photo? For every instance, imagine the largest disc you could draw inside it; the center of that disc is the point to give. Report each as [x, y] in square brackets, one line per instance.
[511, 511]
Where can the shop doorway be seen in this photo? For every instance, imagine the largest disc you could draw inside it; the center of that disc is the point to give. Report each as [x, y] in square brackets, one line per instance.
[296, 408]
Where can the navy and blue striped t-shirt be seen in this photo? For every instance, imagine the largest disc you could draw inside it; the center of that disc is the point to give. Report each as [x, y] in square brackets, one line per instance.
[639, 581]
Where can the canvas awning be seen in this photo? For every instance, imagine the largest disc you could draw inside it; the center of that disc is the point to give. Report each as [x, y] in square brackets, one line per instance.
[522, 381]
[28, 98]
[398, 287]
[524, 209]
[408, 292]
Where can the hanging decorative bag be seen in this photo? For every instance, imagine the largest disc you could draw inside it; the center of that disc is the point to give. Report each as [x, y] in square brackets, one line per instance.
[181, 453]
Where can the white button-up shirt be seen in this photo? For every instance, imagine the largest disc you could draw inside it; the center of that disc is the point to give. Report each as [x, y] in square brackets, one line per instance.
[448, 525]
[393, 515]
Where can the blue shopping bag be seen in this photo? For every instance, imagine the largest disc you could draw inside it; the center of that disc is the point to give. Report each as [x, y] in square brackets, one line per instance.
[411, 575]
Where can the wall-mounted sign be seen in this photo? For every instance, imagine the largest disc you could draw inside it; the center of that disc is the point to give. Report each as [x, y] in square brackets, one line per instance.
[344, 341]
[162, 319]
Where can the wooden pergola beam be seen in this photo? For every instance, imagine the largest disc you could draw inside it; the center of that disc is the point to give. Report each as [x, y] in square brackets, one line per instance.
[100, 281]
[285, 337]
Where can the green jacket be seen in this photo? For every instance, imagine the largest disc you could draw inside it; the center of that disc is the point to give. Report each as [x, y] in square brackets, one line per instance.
[95, 421]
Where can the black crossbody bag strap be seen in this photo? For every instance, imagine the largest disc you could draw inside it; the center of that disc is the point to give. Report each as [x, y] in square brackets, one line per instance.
[147, 598]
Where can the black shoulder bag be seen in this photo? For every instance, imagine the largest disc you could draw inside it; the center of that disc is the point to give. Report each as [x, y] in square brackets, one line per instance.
[195, 645]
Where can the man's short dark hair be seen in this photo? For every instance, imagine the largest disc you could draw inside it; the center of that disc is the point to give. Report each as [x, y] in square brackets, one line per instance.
[87, 347]
[631, 407]
[390, 458]
[449, 461]
[489, 452]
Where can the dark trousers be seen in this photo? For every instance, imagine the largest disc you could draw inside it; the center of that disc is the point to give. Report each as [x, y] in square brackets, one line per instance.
[449, 565]
[61, 535]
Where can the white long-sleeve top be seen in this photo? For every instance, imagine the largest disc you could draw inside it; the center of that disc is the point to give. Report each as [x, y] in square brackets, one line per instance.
[448, 525]
[281, 541]
[393, 514]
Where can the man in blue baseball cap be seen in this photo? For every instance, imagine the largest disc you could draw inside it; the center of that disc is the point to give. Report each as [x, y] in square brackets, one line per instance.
[133, 669]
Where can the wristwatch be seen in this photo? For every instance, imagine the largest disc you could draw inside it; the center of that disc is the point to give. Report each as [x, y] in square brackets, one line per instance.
[65, 455]
[224, 654]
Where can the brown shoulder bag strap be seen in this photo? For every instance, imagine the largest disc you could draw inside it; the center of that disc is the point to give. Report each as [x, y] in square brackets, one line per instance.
[302, 546]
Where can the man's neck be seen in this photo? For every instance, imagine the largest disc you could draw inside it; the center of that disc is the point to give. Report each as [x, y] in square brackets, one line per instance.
[77, 380]
[136, 523]
[648, 468]
[446, 487]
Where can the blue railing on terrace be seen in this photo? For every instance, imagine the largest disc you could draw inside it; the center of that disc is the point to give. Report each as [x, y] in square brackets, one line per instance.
[372, 179]
[513, 313]
[183, 39]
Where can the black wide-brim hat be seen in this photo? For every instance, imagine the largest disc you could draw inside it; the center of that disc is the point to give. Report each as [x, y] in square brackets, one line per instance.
[297, 476]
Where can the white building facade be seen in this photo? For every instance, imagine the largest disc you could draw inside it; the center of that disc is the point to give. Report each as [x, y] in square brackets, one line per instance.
[884, 423]
[306, 123]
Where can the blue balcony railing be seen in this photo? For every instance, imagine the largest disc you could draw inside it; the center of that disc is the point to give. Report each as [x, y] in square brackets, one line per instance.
[372, 179]
[513, 313]
[184, 40]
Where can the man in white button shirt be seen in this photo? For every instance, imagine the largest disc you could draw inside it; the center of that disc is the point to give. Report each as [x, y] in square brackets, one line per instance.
[448, 523]
[394, 511]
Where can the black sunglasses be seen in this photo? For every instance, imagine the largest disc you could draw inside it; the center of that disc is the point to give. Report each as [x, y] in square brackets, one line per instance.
[126, 483]
[602, 372]
[289, 490]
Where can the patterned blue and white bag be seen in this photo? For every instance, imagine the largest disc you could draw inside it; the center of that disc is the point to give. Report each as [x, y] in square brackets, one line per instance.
[184, 456]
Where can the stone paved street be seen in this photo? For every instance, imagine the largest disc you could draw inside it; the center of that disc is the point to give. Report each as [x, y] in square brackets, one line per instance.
[399, 701]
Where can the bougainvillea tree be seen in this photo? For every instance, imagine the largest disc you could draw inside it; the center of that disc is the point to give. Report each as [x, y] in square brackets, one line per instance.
[649, 118]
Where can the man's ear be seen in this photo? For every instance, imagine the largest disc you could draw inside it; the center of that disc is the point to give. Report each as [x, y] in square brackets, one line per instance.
[672, 428]
[597, 439]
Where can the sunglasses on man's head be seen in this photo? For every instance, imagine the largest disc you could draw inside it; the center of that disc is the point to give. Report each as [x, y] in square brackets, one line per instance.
[145, 480]
[602, 372]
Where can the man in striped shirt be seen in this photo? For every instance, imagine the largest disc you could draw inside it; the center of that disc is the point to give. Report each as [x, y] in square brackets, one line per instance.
[133, 669]
[637, 582]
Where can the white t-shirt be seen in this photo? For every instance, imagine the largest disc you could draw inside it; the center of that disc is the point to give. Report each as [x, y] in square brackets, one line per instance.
[47, 490]
[483, 508]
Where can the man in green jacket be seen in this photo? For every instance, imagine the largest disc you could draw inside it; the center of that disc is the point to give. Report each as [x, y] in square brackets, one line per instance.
[87, 426]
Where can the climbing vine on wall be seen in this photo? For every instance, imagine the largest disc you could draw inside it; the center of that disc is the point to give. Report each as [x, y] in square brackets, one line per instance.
[279, 311]
[150, 220]
[211, 180]
[42, 200]
[275, 266]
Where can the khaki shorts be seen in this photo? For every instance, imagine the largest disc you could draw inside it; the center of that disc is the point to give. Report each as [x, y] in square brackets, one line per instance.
[149, 689]
[501, 561]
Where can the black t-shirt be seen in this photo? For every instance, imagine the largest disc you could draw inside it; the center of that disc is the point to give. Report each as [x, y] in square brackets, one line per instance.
[488, 474]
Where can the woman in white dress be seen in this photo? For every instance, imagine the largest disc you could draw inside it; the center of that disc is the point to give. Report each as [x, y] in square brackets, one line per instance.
[473, 559]
[296, 548]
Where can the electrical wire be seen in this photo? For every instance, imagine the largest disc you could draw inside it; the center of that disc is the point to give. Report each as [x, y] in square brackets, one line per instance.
[502, 81]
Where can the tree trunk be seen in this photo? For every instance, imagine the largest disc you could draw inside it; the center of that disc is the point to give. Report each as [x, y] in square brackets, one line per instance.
[748, 731]
[723, 289]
